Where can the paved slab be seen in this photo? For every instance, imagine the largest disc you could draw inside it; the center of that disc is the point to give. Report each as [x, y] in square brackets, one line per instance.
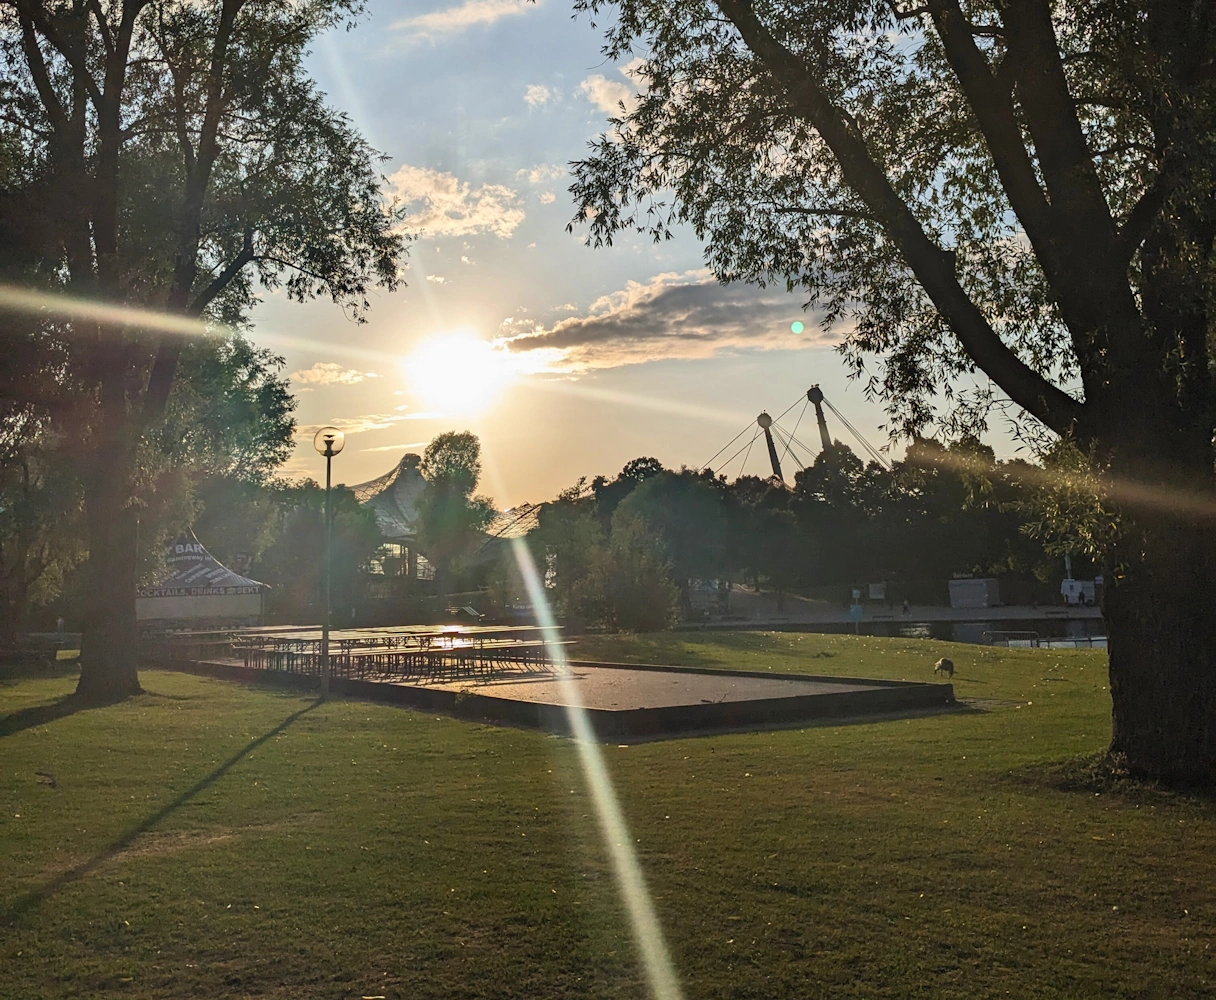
[622, 688]
[622, 701]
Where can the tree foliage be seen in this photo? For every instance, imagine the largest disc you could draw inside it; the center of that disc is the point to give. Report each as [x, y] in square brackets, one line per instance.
[451, 515]
[1005, 201]
[161, 161]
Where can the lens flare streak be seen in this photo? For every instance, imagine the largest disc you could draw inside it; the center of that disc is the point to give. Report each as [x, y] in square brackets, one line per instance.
[67, 307]
[647, 932]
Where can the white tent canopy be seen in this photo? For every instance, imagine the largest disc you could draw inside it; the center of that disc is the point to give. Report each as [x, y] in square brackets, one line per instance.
[196, 587]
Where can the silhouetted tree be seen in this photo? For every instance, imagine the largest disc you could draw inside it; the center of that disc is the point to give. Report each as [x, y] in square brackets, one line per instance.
[451, 517]
[1018, 189]
[165, 155]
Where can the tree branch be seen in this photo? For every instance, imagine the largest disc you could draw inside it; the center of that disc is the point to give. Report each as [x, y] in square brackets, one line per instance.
[103, 26]
[39, 19]
[223, 279]
[1143, 214]
[994, 111]
[848, 213]
[41, 75]
[933, 267]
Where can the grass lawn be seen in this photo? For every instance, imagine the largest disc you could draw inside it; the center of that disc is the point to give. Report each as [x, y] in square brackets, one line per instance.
[209, 839]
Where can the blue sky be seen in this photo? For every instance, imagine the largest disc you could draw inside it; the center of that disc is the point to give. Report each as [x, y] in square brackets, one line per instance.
[567, 361]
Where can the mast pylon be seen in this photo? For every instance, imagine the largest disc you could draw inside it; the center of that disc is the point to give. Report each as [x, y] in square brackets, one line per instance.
[766, 424]
[815, 395]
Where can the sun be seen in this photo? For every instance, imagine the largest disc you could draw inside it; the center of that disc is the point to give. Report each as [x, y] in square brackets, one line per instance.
[458, 372]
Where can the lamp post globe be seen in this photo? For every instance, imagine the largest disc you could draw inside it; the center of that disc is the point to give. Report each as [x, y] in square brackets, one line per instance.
[328, 441]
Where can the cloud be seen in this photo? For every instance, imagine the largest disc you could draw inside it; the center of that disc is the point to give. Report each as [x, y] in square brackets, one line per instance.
[547, 197]
[452, 20]
[608, 95]
[369, 422]
[685, 316]
[328, 373]
[541, 173]
[420, 415]
[397, 447]
[439, 279]
[538, 95]
[351, 425]
[447, 206]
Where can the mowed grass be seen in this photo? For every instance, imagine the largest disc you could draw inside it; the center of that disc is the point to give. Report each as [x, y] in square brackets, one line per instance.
[210, 839]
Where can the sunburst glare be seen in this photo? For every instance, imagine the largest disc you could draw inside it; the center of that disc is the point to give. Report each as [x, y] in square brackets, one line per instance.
[459, 373]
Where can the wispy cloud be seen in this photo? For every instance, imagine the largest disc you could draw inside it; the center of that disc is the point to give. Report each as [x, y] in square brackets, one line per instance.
[444, 205]
[609, 93]
[329, 373]
[424, 415]
[537, 95]
[686, 316]
[352, 425]
[397, 447]
[372, 421]
[541, 173]
[547, 197]
[438, 279]
[453, 20]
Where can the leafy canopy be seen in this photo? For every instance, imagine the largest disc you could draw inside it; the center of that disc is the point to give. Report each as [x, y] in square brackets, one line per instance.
[967, 188]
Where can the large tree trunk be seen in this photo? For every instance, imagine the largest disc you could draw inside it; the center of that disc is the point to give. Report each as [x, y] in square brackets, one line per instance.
[109, 646]
[1162, 651]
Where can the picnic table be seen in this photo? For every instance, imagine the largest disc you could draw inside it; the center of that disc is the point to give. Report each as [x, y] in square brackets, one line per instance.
[418, 651]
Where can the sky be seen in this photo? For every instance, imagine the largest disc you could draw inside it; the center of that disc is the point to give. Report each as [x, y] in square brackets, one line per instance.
[566, 361]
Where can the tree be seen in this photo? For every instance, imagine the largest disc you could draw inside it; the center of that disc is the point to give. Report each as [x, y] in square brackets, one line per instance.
[685, 510]
[1018, 195]
[451, 517]
[569, 535]
[160, 160]
[610, 492]
[40, 521]
[628, 586]
[292, 562]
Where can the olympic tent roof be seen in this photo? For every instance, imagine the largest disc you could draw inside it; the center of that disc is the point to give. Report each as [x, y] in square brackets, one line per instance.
[393, 499]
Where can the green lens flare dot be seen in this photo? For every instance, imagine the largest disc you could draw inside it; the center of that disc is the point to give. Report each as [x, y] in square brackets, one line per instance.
[797, 326]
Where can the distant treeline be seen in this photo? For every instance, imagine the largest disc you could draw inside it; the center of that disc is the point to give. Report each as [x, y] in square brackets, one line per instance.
[652, 545]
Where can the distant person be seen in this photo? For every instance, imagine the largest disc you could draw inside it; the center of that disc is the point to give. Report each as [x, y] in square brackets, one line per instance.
[907, 608]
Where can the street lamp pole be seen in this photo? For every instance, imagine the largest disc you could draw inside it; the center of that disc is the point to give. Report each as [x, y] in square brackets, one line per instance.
[328, 441]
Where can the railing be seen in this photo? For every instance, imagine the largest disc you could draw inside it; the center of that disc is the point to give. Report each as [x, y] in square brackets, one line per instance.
[1032, 640]
[1013, 639]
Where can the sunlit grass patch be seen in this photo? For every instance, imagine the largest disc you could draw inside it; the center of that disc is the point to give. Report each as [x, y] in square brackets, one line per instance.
[348, 849]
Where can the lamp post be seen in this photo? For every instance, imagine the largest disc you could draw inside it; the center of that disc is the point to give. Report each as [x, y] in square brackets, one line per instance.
[328, 441]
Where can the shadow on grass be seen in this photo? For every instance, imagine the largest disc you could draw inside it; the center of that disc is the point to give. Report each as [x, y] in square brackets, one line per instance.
[29, 900]
[1108, 774]
[825, 722]
[11, 673]
[41, 715]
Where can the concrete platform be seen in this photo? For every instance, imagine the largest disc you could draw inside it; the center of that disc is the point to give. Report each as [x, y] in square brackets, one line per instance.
[624, 701]
[627, 701]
